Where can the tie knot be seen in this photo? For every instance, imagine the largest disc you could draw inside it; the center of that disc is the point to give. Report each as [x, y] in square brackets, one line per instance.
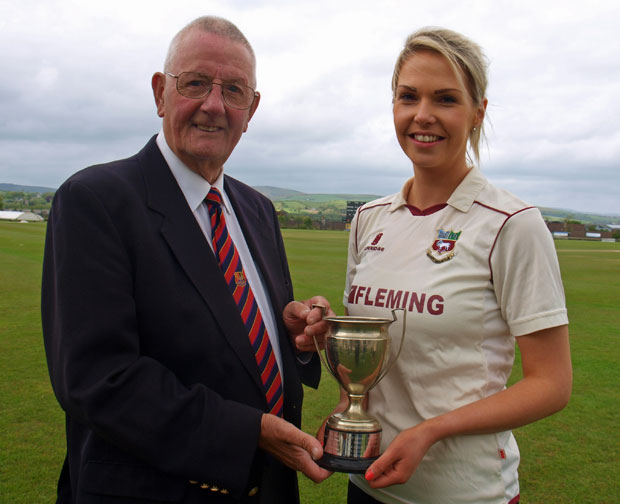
[214, 196]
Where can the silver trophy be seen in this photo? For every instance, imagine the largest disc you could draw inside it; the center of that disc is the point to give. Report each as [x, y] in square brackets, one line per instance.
[357, 354]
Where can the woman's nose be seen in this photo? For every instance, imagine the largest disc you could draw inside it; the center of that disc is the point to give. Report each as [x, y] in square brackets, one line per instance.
[424, 114]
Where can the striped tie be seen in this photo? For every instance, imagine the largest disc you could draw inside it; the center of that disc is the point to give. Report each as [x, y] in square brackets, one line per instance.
[230, 262]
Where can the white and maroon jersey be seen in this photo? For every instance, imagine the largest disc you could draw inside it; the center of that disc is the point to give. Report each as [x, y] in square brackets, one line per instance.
[471, 274]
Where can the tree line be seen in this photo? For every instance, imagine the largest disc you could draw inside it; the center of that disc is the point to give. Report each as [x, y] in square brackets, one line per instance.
[20, 200]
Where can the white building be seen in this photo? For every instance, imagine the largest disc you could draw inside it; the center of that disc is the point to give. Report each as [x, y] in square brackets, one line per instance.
[20, 216]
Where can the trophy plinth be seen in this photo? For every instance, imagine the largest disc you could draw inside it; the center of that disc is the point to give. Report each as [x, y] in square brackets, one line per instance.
[357, 352]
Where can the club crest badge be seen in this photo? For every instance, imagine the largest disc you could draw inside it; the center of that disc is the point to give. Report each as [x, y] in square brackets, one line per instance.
[442, 249]
[240, 279]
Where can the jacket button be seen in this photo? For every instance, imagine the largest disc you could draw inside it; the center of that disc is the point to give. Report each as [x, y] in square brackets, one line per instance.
[253, 492]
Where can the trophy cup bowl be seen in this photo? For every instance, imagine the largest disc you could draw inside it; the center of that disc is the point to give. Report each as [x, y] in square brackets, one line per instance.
[357, 351]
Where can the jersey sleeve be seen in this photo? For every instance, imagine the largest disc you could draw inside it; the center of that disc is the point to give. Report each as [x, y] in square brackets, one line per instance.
[526, 275]
[352, 258]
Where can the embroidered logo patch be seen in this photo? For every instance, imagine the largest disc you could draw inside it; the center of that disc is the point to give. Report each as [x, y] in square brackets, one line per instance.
[442, 249]
[240, 279]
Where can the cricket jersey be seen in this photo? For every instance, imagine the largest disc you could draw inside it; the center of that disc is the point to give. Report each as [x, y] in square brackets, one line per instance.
[472, 275]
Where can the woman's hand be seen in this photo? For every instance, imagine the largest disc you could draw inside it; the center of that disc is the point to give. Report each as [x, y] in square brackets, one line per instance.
[402, 457]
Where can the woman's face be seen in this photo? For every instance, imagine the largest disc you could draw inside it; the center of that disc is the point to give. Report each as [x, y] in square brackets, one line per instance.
[434, 114]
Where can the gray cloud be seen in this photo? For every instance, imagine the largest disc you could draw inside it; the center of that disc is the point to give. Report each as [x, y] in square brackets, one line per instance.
[76, 91]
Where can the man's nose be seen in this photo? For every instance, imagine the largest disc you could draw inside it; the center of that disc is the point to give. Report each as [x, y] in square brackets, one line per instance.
[214, 98]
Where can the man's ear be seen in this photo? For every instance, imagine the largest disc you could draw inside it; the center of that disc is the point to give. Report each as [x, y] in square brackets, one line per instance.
[252, 110]
[158, 83]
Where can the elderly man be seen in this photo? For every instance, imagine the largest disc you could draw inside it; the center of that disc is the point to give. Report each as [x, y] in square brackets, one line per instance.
[173, 341]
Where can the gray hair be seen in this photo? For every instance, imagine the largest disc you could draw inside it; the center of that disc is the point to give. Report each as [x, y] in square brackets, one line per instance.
[209, 24]
[466, 58]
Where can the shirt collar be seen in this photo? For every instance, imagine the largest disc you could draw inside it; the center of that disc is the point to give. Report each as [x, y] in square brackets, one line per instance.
[400, 199]
[193, 186]
[462, 198]
[468, 190]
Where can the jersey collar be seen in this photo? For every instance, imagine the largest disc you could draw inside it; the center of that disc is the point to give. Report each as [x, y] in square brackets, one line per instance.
[461, 199]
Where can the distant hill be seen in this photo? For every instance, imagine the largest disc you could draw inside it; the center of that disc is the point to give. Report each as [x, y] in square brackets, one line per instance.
[277, 193]
[24, 188]
[560, 214]
[313, 202]
[280, 194]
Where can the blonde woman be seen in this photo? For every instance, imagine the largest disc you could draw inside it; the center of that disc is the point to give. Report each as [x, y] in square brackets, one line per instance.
[476, 269]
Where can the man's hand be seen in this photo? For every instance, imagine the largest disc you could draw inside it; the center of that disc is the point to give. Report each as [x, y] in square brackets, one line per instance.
[304, 323]
[292, 447]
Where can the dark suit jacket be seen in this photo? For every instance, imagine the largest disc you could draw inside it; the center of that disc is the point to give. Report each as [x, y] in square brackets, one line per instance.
[147, 352]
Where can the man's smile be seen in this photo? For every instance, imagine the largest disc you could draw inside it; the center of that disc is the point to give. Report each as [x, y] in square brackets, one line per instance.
[208, 129]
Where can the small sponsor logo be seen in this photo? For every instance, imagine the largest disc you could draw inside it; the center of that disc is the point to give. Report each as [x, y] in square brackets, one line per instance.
[443, 247]
[373, 244]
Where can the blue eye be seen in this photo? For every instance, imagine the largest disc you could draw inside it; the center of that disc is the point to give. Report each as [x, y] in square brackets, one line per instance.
[447, 99]
[197, 83]
[233, 88]
[194, 80]
[406, 97]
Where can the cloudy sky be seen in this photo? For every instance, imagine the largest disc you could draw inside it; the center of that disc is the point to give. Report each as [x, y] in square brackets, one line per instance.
[76, 90]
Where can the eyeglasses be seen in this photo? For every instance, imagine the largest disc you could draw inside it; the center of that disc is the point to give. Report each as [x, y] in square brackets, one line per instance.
[196, 85]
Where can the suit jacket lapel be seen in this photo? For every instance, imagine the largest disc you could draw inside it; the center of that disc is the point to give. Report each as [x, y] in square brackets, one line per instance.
[187, 242]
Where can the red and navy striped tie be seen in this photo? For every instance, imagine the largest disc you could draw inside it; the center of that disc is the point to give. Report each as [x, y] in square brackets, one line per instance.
[230, 262]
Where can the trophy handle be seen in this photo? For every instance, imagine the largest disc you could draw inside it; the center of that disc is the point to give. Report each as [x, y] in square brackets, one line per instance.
[324, 361]
[318, 349]
[322, 307]
[402, 339]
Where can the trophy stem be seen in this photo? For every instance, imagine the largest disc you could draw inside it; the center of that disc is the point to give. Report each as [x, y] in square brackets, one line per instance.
[354, 409]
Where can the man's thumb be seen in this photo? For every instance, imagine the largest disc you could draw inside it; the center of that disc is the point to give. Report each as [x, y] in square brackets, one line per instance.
[312, 446]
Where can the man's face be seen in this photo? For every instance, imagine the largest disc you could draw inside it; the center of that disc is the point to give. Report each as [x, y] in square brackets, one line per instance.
[203, 132]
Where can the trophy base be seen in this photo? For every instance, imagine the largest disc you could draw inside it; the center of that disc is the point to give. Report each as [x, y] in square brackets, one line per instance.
[349, 451]
[352, 465]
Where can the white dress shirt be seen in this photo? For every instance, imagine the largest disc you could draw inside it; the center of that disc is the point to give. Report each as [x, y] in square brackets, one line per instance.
[195, 189]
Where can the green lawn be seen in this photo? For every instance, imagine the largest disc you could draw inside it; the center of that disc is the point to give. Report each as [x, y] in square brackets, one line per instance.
[574, 455]
[31, 423]
[571, 457]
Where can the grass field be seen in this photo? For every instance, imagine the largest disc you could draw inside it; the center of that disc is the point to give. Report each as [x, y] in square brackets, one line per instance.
[572, 457]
